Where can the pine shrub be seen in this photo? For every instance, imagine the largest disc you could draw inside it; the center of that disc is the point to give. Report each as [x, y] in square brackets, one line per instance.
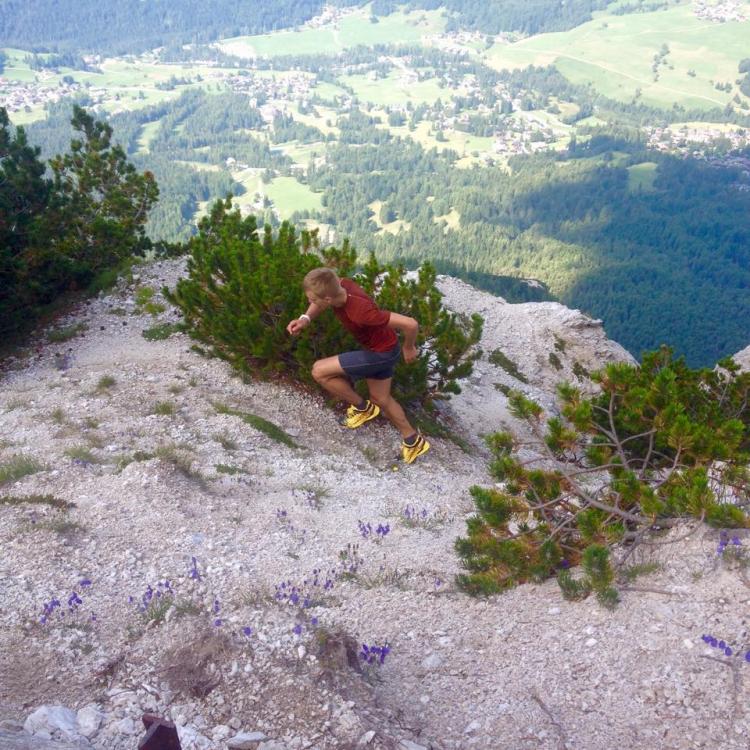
[660, 442]
[244, 285]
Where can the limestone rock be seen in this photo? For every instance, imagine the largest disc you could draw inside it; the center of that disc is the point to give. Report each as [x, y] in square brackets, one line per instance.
[51, 719]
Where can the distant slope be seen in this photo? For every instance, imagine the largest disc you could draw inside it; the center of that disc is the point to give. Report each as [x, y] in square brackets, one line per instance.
[527, 16]
[136, 25]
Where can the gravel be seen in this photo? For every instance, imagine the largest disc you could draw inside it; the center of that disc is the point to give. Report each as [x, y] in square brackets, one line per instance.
[223, 514]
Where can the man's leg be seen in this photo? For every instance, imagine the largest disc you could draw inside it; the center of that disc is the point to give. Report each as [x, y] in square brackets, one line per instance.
[413, 444]
[380, 394]
[329, 374]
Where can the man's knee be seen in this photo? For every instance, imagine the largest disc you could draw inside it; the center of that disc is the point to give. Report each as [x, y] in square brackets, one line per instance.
[318, 371]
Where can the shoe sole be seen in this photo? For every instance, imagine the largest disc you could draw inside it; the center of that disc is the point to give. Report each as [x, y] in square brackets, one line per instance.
[375, 412]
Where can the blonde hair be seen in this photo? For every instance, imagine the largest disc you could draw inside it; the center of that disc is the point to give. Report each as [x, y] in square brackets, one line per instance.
[322, 282]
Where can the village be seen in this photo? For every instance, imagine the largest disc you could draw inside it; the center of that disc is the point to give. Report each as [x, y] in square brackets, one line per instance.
[719, 12]
[22, 96]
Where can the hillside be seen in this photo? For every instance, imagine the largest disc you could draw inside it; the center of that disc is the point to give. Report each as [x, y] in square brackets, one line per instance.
[141, 475]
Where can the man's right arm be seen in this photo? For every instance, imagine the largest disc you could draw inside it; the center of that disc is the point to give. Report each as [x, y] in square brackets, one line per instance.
[299, 325]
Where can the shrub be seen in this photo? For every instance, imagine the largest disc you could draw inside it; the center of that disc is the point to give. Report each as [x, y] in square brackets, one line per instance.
[243, 289]
[659, 443]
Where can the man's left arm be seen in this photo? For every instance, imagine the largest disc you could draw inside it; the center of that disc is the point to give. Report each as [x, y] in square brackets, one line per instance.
[409, 327]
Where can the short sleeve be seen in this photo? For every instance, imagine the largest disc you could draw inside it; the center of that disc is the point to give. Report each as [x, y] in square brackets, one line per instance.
[373, 316]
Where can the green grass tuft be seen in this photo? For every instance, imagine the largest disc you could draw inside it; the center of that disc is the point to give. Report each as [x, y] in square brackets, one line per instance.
[160, 332]
[105, 382]
[51, 500]
[640, 569]
[81, 453]
[66, 333]
[164, 408]
[262, 425]
[428, 425]
[226, 469]
[499, 359]
[17, 467]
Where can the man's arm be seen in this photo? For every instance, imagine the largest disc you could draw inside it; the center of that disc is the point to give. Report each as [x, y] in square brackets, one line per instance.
[409, 327]
[298, 325]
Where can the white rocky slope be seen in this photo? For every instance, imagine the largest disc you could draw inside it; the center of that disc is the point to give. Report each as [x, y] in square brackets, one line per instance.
[226, 514]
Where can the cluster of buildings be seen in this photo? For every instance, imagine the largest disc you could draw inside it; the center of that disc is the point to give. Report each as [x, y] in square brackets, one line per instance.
[263, 90]
[719, 12]
[18, 96]
[329, 16]
[699, 142]
[696, 139]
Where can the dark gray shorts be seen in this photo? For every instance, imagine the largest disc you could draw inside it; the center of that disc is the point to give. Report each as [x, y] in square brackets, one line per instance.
[367, 364]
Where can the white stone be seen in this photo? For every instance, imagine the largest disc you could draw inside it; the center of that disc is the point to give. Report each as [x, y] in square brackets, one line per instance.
[409, 745]
[472, 727]
[246, 740]
[220, 732]
[52, 719]
[433, 661]
[89, 719]
[126, 726]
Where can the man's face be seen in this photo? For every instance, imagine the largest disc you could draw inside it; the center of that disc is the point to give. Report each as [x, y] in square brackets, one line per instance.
[313, 299]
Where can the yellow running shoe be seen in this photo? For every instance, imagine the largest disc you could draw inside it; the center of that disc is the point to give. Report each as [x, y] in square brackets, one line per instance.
[356, 418]
[410, 453]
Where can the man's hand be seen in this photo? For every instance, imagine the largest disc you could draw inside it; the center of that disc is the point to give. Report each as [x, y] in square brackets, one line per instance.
[297, 326]
[410, 353]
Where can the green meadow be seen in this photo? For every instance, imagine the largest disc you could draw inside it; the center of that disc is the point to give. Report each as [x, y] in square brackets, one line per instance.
[352, 30]
[395, 88]
[641, 177]
[289, 195]
[615, 55]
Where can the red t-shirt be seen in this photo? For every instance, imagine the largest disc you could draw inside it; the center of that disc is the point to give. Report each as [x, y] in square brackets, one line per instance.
[365, 320]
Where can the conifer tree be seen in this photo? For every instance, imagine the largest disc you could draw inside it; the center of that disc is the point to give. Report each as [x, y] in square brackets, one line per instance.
[660, 442]
[24, 194]
[101, 203]
[56, 235]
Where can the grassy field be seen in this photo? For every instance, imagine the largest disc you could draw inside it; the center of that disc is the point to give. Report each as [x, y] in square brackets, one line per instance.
[469, 147]
[394, 89]
[615, 55]
[301, 153]
[148, 133]
[325, 115]
[641, 177]
[451, 220]
[289, 195]
[392, 227]
[352, 30]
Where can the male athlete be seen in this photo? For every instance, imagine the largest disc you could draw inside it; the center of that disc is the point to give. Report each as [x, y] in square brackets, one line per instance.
[375, 330]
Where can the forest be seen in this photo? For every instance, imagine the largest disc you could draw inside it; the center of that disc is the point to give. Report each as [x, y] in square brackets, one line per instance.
[133, 26]
[671, 264]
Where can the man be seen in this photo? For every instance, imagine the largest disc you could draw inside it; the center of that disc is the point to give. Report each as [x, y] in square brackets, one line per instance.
[375, 330]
